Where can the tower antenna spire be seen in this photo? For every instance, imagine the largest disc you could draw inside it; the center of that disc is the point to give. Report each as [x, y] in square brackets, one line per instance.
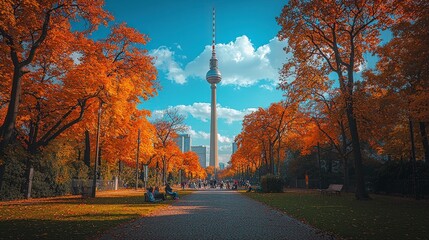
[214, 32]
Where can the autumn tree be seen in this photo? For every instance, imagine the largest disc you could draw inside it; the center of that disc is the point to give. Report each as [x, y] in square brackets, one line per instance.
[256, 127]
[332, 36]
[401, 74]
[210, 170]
[24, 28]
[191, 166]
[167, 127]
[265, 136]
[325, 111]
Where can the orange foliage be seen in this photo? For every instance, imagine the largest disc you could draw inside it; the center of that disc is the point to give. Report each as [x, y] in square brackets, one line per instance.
[29, 29]
[331, 37]
[63, 75]
[192, 167]
[266, 135]
[399, 88]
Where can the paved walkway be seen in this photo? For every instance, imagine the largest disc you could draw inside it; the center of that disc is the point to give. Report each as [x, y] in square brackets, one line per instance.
[215, 214]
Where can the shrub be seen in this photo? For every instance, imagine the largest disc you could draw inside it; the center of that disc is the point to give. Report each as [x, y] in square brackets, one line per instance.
[13, 178]
[271, 183]
[53, 172]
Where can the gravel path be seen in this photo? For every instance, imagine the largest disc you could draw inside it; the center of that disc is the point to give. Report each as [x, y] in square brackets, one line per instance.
[215, 214]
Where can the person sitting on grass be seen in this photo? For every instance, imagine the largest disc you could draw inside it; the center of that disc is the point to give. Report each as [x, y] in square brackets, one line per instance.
[157, 194]
[151, 196]
[169, 191]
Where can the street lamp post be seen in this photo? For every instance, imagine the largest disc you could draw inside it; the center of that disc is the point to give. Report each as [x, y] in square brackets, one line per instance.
[145, 174]
[97, 151]
[137, 160]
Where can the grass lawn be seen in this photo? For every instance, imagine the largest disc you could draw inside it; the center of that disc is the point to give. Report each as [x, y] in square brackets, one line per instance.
[383, 217]
[72, 217]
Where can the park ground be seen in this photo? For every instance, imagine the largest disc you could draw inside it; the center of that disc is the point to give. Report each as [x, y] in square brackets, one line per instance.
[383, 217]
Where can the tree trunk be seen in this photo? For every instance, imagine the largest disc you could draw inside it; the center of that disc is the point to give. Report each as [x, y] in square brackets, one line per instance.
[156, 173]
[79, 153]
[87, 151]
[413, 160]
[271, 152]
[278, 157]
[2, 170]
[164, 164]
[6, 130]
[29, 182]
[29, 173]
[12, 111]
[360, 192]
[156, 176]
[99, 163]
[120, 169]
[345, 159]
[425, 141]
[320, 165]
[346, 174]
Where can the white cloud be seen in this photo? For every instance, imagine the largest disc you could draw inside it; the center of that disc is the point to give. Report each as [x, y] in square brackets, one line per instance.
[224, 158]
[157, 114]
[198, 134]
[267, 87]
[202, 111]
[164, 61]
[239, 62]
[178, 46]
[223, 139]
[206, 135]
[227, 148]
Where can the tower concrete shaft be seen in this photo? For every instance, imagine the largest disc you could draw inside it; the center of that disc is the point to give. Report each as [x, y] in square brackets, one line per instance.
[214, 161]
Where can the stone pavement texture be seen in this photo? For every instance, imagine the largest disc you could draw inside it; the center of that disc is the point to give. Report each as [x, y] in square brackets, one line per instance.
[214, 214]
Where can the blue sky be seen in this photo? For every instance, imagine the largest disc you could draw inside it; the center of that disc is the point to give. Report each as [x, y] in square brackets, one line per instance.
[248, 51]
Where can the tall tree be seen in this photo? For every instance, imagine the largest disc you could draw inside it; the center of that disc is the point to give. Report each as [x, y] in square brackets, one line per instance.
[402, 72]
[167, 128]
[24, 27]
[332, 36]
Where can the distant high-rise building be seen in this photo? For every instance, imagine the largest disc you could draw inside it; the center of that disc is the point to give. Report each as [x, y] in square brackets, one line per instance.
[201, 151]
[184, 142]
[234, 147]
[221, 165]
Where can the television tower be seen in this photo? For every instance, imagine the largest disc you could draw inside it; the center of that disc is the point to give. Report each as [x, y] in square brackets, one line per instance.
[213, 76]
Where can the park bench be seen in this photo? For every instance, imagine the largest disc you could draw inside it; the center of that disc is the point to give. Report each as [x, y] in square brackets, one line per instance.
[332, 189]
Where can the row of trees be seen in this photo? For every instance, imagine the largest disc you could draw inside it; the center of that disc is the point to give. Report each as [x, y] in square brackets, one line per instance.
[54, 78]
[333, 100]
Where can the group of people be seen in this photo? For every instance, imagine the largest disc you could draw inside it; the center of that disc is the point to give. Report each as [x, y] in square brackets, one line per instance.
[194, 184]
[154, 195]
[231, 184]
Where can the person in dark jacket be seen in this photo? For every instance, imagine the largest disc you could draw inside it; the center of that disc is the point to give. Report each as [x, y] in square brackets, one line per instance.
[169, 191]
